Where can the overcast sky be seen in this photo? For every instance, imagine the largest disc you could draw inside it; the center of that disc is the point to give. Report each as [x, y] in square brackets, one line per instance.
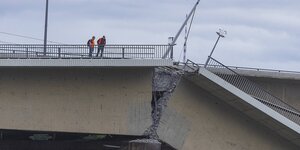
[261, 33]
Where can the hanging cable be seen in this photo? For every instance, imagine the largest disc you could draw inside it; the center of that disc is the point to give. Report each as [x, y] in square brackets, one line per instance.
[180, 30]
[27, 37]
[190, 26]
[187, 35]
[180, 56]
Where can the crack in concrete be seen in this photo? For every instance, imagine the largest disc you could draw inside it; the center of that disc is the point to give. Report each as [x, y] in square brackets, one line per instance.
[164, 83]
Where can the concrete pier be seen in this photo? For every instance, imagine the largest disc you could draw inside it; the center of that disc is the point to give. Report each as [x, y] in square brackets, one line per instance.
[144, 144]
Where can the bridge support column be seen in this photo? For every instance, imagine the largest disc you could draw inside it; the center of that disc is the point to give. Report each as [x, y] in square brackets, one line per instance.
[146, 144]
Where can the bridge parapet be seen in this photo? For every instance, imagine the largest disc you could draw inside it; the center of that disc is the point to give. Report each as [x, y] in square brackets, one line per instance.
[78, 55]
[30, 51]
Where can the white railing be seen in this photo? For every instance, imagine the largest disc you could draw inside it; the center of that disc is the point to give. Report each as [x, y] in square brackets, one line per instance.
[33, 51]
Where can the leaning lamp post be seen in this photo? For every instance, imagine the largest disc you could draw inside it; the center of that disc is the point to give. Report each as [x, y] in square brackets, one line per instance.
[221, 33]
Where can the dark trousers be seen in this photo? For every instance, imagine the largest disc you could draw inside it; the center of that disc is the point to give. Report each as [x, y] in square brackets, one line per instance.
[100, 48]
[91, 51]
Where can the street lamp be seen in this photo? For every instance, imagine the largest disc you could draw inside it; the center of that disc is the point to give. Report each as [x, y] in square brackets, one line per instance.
[221, 33]
[46, 26]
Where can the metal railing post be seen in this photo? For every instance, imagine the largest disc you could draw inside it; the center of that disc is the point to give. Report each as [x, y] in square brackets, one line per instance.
[123, 52]
[172, 52]
[59, 52]
[27, 52]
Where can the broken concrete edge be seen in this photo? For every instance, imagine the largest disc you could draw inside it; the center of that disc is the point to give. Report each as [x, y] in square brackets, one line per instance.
[164, 83]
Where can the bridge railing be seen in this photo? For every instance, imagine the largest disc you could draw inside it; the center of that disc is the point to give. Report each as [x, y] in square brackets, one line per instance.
[253, 89]
[33, 51]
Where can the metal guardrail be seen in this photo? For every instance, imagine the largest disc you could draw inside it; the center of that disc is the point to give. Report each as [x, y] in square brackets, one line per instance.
[263, 70]
[250, 69]
[190, 66]
[34, 51]
[253, 89]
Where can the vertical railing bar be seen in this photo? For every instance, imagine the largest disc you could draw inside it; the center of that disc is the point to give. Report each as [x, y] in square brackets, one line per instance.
[123, 52]
[59, 52]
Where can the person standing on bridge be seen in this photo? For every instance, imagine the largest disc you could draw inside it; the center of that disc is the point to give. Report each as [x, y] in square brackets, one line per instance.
[101, 43]
[91, 45]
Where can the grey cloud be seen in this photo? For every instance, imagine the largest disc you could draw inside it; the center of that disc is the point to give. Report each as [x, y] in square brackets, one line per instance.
[260, 33]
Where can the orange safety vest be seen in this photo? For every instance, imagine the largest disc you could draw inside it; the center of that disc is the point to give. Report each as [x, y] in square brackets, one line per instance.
[92, 43]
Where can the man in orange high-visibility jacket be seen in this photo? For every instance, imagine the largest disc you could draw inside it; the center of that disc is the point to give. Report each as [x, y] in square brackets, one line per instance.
[101, 43]
[91, 45]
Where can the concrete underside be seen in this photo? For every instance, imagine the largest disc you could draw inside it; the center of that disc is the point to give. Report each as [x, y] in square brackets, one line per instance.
[91, 100]
[51, 145]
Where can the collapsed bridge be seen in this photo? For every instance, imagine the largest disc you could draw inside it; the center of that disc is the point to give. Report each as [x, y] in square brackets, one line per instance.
[209, 108]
